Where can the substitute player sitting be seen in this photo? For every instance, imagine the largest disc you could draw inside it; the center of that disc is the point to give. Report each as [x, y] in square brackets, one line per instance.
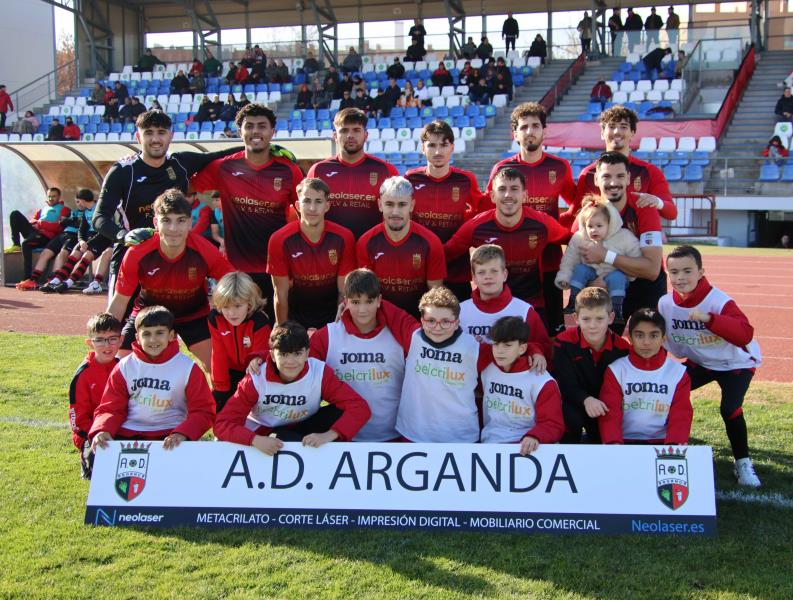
[264, 403]
[155, 393]
[171, 269]
[308, 260]
[647, 393]
[366, 349]
[519, 405]
[706, 327]
[407, 258]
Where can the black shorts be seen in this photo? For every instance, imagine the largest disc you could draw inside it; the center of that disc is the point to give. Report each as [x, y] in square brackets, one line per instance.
[98, 244]
[191, 332]
[63, 241]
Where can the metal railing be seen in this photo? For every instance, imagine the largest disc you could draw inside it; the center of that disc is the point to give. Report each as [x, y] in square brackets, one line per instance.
[564, 83]
[47, 87]
[740, 176]
[696, 216]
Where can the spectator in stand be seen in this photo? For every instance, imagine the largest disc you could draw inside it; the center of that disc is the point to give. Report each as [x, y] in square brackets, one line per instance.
[258, 53]
[405, 100]
[408, 89]
[71, 132]
[137, 107]
[242, 102]
[147, 61]
[616, 30]
[198, 84]
[415, 52]
[422, 94]
[125, 112]
[258, 71]
[672, 26]
[214, 108]
[333, 73]
[111, 104]
[417, 32]
[121, 92]
[539, 48]
[378, 103]
[468, 74]
[441, 76]
[212, 66]
[358, 84]
[242, 74]
[652, 25]
[600, 93]
[248, 57]
[310, 64]
[345, 85]
[202, 114]
[195, 68]
[654, 58]
[321, 97]
[784, 107]
[396, 70]
[485, 49]
[180, 84]
[28, 124]
[156, 106]
[352, 62]
[510, 31]
[501, 67]
[231, 76]
[303, 97]
[97, 95]
[229, 110]
[55, 133]
[585, 33]
[5, 104]
[271, 71]
[228, 134]
[390, 95]
[363, 101]
[776, 151]
[468, 50]
[680, 64]
[282, 72]
[633, 25]
[479, 93]
[500, 85]
[346, 100]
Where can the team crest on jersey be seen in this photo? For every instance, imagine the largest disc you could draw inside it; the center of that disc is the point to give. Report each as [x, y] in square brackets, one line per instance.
[277, 182]
[455, 194]
[417, 261]
[637, 184]
[551, 176]
[373, 178]
[246, 342]
[671, 476]
[192, 273]
[333, 256]
[171, 173]
[533, 240]
[133, 463]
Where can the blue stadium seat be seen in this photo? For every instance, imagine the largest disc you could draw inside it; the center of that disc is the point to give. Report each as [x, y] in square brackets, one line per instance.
[194, 126]
[415, 123]
[182, 117]
[673, 173]
[473, 110]
[395, 158]
[626, 67]
[296, 124]
[218, 126]
[116, 128]
[287, 88]
[129, 128]
[457, 111]
[212, 89]
[680, 159]
[700, 158]
[397, 112]
[103, 128]
[296, 115]
[462, 121]
[441, 112]
[325, 124]
[383, 123]
[207, 126]
[693, 173]
[426, 112]
[585, 117]
[83, 119]
[769, 172]
[309, 124]
[236, 89]
[323, 114]
[787, 172]
[91, 128]
[309, 114]
[398, 122]
[518, 80]
[576, 171]
[180, 127]
[480, 122]
[490, 110]
[412, 158]
[224, 89]
[213, 81]
[411, 111]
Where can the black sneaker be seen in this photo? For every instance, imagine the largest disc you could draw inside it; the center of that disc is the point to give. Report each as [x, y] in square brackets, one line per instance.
[47, 289]
[61, 288]
[570, 308]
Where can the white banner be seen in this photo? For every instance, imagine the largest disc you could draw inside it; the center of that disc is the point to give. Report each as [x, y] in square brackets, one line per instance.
[559, 488]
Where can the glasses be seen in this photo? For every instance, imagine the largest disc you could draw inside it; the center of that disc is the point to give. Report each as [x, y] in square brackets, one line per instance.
[108, 341]
[442, 323]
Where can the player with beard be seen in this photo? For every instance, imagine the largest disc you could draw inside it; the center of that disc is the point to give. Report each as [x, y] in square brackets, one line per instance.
[617, 128]
[548, 178]
[133, 183]
[640, 216]
[257, 188]
[445, 197]
[353, 176]
[406, 257]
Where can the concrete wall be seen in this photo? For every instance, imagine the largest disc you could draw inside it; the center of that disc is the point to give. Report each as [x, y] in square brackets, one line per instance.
[27, 42]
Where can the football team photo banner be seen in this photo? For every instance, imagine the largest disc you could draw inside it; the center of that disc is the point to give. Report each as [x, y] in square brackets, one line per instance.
[481, 487]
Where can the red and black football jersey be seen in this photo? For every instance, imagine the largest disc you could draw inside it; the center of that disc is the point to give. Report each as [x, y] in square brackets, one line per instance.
[523, 247]
[443, 205]
[255, 202]
[354, 190]
[547, 180]
[403, 267]
[313, 269]
[177, 284]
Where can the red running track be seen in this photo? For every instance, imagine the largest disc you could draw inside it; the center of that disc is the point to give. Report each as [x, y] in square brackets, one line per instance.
[762, 287]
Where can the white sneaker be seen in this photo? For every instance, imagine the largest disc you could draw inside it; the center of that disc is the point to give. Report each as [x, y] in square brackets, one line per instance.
[93, 288]
[744, 472]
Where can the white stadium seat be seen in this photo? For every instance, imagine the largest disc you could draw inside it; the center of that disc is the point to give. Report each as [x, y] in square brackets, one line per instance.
[672, 95]
[644, 85]
[654, 95]
[648, 144]
[667, 144]
[391, 146]
[374, 146]
[388, 133]
[707, 144]
[661, 85]
[627, 86]
[686, 144]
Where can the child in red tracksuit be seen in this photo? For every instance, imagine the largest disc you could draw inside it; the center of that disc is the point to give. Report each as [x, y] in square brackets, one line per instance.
[239, 331]
[155, 393]
[88, 383]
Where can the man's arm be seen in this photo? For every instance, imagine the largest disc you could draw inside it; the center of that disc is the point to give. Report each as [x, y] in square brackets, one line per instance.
[193, 162]
[610, 424]
[281, 298]
[647, 266]
[200, 406]
[681, 414]
[460, 242]
[110, 197]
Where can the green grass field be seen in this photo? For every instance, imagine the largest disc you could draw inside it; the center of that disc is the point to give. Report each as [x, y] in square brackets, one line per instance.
[47, 552]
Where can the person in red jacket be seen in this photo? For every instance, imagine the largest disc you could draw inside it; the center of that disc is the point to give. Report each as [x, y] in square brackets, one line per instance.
[601, 92]
[89, 381]
[155, 393]
[5, 104]
[71, 132]
[262, 401]
[239, 331]
[647, 394]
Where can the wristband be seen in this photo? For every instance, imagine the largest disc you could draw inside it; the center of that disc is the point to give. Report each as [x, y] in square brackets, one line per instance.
[611, 256]
[660, 204]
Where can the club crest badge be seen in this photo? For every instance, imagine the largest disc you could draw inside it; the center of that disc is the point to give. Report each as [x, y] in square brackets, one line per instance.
[373, 178]
[671, 476]
[246, 342]
[133, 463]
[277, 183]
[552, 177]
[192, 273]
[533, 240]
[417, 261]
[333, 256]
[455, 194]
[171, 173]
[637, 184]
